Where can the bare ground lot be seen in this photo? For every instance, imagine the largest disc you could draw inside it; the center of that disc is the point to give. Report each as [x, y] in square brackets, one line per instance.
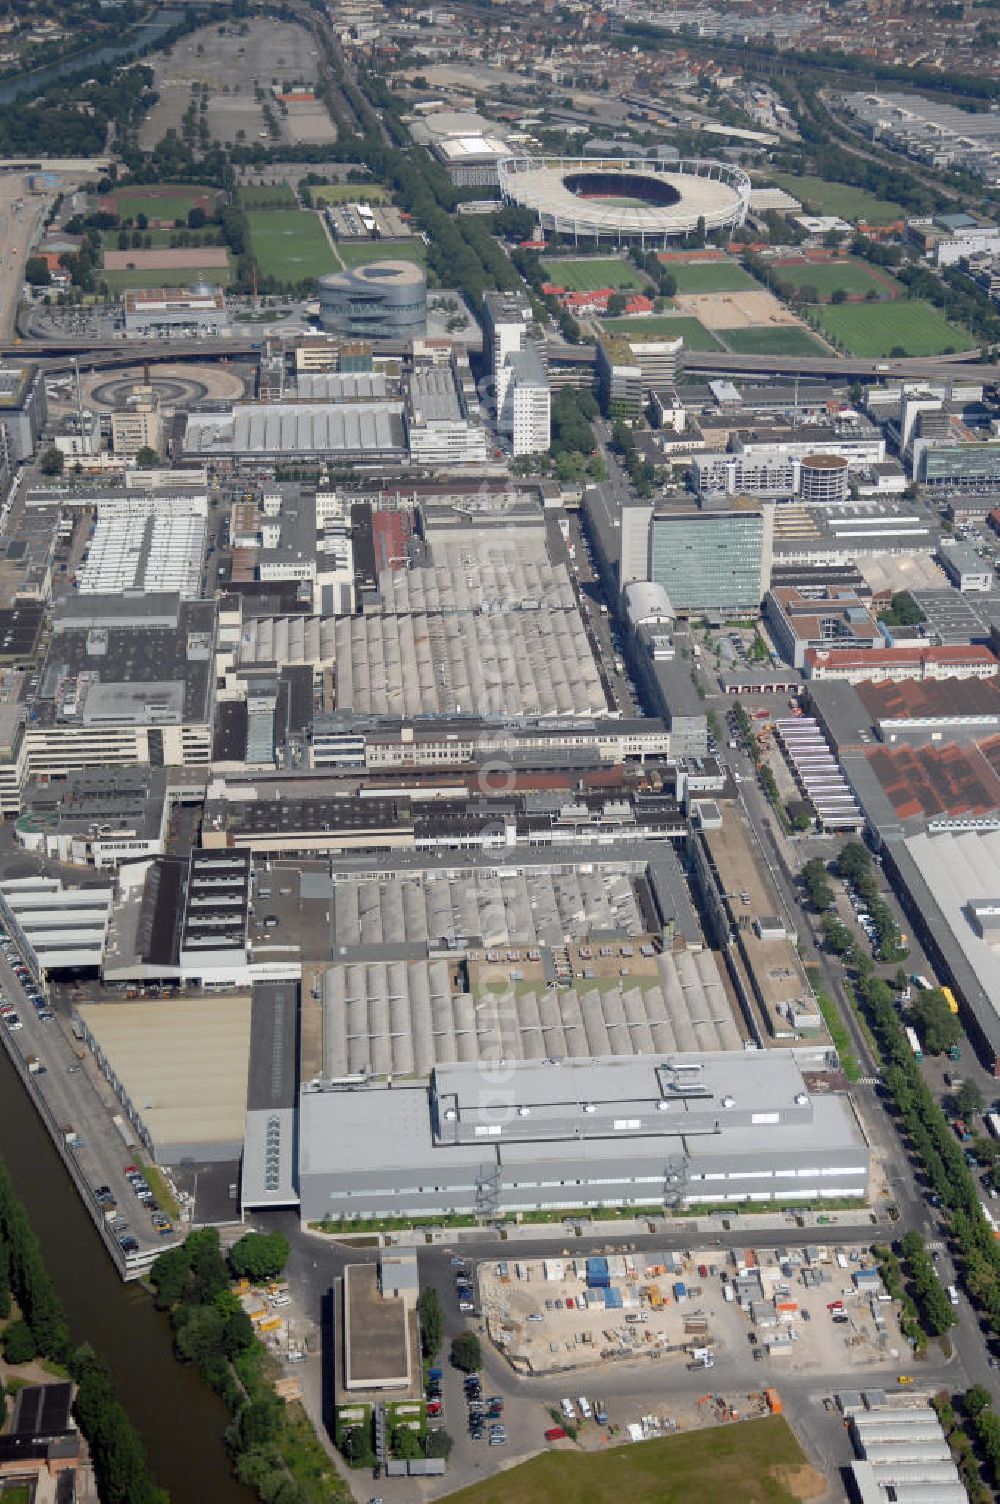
[734, 310]
[231, 60]
[167, 259]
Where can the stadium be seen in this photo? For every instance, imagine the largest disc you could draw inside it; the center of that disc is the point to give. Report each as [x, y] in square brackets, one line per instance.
[627, 198]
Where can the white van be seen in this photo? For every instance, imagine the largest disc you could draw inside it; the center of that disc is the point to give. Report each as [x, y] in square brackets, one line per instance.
[566, 1406]
[953, 1295]
[585, 1409]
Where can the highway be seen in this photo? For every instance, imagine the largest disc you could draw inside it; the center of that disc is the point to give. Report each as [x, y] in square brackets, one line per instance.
[58, 355]
[962, 367]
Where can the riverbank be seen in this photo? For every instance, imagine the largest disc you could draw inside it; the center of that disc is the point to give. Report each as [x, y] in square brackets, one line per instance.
[164, 1400]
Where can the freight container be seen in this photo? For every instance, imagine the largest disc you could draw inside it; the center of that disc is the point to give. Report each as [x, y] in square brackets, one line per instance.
[680, 1292]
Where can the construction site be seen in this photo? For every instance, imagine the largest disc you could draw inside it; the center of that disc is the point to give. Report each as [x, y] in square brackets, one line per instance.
[803, 1310]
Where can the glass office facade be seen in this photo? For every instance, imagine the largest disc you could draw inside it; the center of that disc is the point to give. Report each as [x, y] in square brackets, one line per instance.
[710, 561]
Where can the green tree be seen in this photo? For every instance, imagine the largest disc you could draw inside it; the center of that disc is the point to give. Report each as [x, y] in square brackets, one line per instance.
[200, 1333]
[147, 458]
[19, 1344]
[819, 889]
[431, 1322]
[616, 305]
[938, 1027]
[969, 1099]
[405, 1443]
[259, 1424]
[854, 862]
[169, 1276]
[259, 1255]
[439, 1444]
[838, 938]
[36, 272]
[52, 461]
[467, 1352]
[839, 295]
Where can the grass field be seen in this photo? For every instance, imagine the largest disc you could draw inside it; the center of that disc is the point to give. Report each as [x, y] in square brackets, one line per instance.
[752, 1462]
[591, 273]
[876, 329]
[221, 276]
[350, 193]
[696, 336]
[838, 198]
[267, 196]
[850, 274]
[779, 339]
[173, 202]
[290, 244]
[712, 276]
[352, 253]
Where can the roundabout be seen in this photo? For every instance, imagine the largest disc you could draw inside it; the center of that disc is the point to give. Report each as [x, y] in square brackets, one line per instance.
[628, 199]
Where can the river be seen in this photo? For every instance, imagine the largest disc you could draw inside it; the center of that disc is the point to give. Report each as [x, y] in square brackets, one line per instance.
[180, 1420]
[86, 62]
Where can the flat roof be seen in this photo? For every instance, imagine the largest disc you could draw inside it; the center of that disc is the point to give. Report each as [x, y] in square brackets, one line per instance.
[274, 1036]
[392, 1130]
[127, 659]
[182, 1062]
[376, 1341]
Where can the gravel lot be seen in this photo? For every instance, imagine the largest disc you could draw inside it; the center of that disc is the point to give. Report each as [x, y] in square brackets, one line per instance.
[251, 53]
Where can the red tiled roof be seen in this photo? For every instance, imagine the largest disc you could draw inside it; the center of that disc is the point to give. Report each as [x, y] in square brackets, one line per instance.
[872, 657]
[951, 780]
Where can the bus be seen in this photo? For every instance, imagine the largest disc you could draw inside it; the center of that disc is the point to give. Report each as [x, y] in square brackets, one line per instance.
[914, 1043]
[949, 998]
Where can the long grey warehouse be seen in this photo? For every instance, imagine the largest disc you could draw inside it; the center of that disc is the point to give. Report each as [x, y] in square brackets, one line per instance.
[506, 1137]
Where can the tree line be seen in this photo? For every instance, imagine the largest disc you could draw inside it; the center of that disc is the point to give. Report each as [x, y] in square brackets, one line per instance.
[273, 1447]
[42, 1331]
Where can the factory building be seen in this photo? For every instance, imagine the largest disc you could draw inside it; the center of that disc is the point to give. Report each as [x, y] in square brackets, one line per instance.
[441, 431]
[140, 545]
[339, 740]
[127, 680]
[555, 1134]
